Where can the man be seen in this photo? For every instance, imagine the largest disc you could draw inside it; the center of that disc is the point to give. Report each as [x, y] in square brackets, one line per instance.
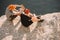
[27, 18]
[12, 12]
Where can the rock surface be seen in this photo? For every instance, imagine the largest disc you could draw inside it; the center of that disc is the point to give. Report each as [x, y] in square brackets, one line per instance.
[49, 29]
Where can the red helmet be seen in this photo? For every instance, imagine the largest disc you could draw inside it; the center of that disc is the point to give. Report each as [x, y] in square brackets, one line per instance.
[26, 11]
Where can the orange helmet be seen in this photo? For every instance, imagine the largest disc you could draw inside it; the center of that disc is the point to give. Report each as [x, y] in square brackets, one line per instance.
[11, 7]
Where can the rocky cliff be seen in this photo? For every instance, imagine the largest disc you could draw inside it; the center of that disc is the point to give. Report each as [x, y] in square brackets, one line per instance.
[49, 29]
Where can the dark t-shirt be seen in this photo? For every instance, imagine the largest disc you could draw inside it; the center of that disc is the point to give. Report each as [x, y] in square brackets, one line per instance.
[25, 20]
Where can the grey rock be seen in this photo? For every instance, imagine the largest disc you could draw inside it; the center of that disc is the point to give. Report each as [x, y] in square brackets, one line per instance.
[49, 29]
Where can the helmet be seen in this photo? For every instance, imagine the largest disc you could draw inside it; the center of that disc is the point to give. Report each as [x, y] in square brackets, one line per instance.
[11, 7]
[26, 11]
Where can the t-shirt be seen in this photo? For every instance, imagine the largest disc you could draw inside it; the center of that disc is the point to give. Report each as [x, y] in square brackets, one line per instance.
[25, 20]
[9, 14]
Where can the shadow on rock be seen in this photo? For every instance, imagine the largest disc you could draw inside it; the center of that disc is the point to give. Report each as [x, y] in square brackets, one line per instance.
[7, 29]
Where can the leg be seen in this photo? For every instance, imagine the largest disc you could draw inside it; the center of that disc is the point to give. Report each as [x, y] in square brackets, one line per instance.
[35, 19]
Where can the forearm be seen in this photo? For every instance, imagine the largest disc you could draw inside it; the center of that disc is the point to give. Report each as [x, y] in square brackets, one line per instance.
[19, 5]
[18, 14]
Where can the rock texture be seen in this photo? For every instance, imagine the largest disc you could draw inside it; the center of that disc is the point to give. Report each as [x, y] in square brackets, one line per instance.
[49, 29]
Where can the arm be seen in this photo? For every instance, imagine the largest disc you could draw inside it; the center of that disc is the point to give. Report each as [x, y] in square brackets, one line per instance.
[20, 5]
[16, 12]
